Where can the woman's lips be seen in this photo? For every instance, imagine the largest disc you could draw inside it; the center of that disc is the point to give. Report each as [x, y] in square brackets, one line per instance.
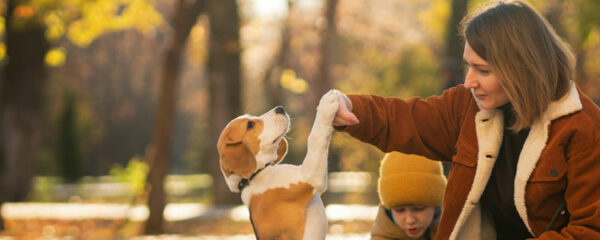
[413, 231]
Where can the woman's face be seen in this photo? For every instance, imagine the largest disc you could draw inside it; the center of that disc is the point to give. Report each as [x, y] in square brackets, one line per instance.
[482, 81]
[413, 219]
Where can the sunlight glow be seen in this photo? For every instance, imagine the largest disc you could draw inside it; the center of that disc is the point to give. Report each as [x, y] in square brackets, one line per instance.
[270, 8]
[350, 212]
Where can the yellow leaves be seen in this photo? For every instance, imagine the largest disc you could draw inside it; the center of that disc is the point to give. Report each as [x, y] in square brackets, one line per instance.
[436, 17]
[2, 51]
[55, 26]
[134, 174]
[2, 24]
[289, 81]
[82, 35]
[592, 39]
[142, 16]
[55, 57]
[85, 20]
[100, 17]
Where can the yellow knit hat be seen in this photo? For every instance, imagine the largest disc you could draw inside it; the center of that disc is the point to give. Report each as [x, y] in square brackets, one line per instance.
[410, 179]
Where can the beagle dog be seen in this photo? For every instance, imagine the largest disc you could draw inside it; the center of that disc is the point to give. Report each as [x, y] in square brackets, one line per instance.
[284, 200]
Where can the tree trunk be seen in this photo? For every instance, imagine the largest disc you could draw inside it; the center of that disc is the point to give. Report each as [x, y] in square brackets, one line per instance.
[325, 80]
[23, 84]
[452, 70]
[272, 86]
[225, 86]
[328, 38]
[158, 153]
[452, 67]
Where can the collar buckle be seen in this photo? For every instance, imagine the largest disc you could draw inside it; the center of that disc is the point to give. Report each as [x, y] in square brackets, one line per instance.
[246, 181]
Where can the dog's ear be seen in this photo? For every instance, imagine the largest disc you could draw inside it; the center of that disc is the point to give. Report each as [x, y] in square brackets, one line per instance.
[237, 159]
[233, 133]
[281, 150]
[234, 153]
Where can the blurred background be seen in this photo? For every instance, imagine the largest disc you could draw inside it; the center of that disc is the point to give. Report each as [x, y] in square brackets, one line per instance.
[110, 109]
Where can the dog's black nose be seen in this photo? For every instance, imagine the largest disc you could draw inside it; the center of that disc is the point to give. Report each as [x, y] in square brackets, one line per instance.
[279, 109]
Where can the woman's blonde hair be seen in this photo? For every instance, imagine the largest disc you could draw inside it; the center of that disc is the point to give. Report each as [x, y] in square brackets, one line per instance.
[531, 62]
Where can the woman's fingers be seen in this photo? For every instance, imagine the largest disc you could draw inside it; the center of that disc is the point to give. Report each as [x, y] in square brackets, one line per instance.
[344, 115]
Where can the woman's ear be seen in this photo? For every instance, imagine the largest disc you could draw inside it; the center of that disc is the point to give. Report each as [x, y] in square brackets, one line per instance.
[282, 150]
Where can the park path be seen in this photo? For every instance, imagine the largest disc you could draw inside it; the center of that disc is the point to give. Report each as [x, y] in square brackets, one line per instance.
[183, 221]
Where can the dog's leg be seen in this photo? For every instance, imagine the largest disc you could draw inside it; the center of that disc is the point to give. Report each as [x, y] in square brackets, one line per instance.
[314, 166]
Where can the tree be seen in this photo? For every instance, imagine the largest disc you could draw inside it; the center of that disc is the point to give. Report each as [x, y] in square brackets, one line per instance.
[225, 85]
[587, 19]
[185, 17]
[23, 84]
[68, 152]
[452, 70]
[325, 80]
[109, 50]
[272, 87]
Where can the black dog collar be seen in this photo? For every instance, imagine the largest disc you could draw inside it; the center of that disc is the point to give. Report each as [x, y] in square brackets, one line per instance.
[245, 182]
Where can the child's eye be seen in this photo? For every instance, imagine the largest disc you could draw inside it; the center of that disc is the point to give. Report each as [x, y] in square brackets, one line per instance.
[419, 208]
[400, 209]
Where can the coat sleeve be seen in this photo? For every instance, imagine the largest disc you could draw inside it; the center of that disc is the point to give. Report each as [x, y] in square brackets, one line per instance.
[427, 127]
[582, 193]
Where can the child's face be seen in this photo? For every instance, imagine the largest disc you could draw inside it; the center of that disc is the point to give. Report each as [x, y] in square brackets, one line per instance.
[413, 219]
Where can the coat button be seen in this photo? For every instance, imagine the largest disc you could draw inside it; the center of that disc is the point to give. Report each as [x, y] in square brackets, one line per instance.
[553, 172]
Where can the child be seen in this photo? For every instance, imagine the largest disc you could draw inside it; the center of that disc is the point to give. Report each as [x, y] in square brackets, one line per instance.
[411, 189]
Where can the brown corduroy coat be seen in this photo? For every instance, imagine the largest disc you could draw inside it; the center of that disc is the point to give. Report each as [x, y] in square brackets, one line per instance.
[560, 158]
[385, 229]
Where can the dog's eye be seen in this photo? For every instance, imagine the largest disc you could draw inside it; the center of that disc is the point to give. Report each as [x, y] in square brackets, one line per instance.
[250, 125]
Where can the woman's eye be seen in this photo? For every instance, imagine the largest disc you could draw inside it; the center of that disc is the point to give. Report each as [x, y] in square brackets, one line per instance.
[250, 125]
[484, 72]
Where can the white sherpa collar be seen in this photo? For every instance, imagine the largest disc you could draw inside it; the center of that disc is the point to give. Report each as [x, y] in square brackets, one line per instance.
[535, 144]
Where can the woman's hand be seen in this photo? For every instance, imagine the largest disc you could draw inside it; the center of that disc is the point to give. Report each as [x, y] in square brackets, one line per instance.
[344, 115]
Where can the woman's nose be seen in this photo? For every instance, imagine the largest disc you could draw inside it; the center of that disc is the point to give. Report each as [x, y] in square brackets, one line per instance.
[470, 80]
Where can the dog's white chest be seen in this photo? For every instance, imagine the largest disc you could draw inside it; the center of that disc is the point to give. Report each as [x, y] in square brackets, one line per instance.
[278, 176]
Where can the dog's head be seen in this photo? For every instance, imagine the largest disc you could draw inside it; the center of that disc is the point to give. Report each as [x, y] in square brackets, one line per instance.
[248, 143]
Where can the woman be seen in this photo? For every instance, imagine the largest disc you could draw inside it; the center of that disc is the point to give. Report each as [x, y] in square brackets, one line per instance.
[524, 142]
[410, 189]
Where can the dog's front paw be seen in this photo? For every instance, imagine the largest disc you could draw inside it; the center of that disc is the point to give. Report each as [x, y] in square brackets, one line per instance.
[328, 106]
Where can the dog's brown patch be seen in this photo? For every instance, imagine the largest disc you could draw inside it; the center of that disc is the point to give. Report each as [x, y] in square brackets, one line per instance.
[280, 213]
[238, 145]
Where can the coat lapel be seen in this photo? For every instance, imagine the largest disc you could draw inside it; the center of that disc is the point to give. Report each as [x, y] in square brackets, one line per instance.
[489, 125]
